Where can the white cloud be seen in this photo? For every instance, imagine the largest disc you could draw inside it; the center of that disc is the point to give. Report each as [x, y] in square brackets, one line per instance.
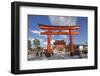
[38, 35]
[41, 40]
[45, 42]
[35, 31]
[62, 20]
[64, 37]
[52, 41]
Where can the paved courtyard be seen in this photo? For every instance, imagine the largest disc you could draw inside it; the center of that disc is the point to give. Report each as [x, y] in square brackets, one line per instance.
[55, 57]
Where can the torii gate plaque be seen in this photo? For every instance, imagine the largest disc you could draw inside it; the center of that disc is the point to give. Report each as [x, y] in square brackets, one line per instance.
[60, 32]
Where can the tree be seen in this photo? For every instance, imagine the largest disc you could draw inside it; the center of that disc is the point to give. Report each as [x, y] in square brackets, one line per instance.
[36, 42]
[68, 45]
[29, 44]
[74, 46]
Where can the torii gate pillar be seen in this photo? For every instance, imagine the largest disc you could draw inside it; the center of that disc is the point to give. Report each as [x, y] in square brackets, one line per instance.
[71, 43]
[49, 43]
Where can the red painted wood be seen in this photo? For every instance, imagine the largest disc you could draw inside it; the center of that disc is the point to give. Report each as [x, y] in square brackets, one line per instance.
[71, 42]
[48, 42]
[59, 33]
[46, 27]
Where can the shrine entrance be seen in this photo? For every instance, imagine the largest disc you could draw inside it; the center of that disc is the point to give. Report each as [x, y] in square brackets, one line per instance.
[49, 31]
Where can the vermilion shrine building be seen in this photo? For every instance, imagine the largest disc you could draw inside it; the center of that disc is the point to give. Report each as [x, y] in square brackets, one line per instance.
[59, 44]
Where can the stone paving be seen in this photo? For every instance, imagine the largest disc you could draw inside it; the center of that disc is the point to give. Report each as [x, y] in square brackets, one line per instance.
[55, 57]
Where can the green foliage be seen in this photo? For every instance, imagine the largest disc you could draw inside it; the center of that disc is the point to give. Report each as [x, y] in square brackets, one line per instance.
[36, 42]
[29, 44]
[68, 46]
[74, 45]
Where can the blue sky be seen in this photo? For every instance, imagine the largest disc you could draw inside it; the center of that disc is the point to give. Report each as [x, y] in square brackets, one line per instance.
[34, 30]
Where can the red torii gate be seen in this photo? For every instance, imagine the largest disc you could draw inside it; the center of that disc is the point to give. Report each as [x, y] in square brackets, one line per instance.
[60, 32]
